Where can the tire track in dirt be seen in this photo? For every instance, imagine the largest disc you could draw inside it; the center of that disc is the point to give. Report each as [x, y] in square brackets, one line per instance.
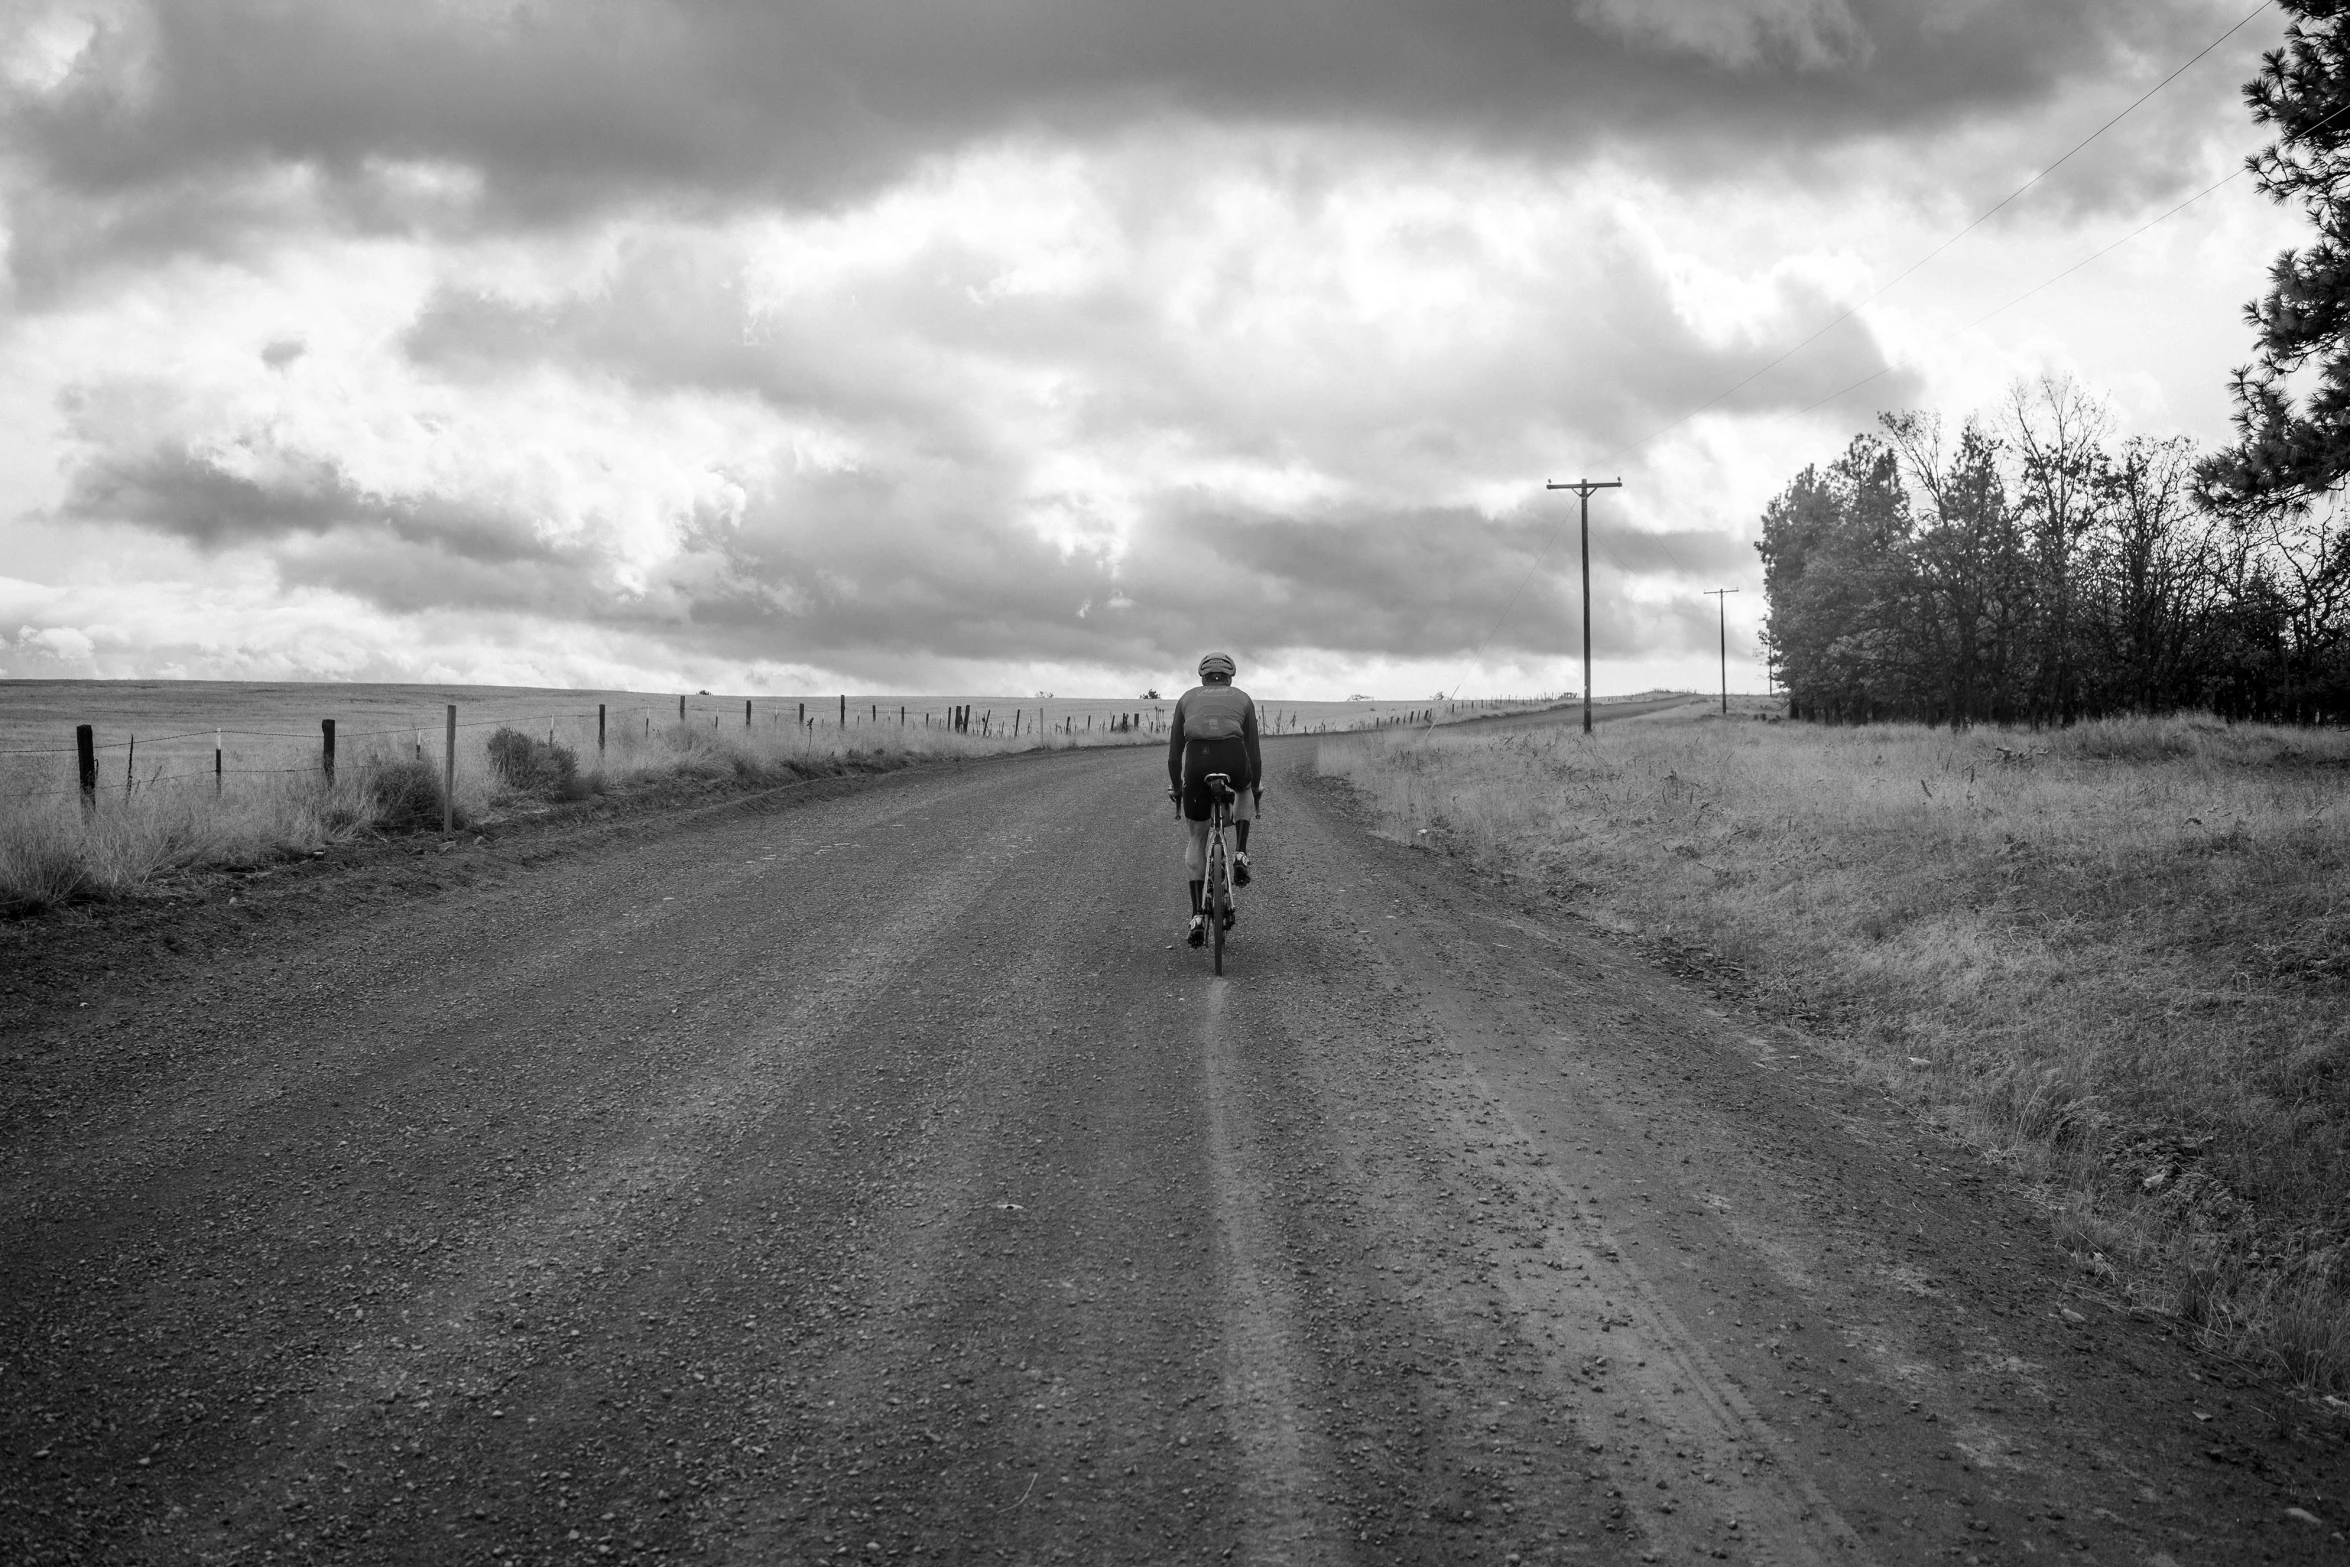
[1283, 1464]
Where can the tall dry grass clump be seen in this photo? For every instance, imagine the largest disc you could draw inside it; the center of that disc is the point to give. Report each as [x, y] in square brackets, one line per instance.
[52, 851]
[2118, 954]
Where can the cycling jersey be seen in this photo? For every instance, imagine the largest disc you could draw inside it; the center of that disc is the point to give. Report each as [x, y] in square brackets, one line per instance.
[1215, 731]
[1210, 713]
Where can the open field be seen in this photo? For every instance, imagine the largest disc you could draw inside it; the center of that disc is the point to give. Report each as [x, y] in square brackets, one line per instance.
[2117, 955]
[201, 773]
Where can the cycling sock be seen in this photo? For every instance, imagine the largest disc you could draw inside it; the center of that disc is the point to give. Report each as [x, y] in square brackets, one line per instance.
[1196, 888]
[1240, 830]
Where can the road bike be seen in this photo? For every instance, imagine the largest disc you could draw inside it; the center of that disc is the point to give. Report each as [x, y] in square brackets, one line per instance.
[1218, 896]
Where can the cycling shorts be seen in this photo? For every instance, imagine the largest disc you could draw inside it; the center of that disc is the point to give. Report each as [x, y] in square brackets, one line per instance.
[1202, 757]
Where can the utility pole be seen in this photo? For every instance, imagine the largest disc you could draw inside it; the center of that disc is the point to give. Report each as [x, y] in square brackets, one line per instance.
[1583, 488]
[1721, 597]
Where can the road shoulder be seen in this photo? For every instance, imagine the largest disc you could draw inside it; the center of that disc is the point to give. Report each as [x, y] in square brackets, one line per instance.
[1890, 1307]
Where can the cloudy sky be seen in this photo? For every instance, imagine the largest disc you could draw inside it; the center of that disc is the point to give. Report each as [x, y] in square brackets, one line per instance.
[1005, 345]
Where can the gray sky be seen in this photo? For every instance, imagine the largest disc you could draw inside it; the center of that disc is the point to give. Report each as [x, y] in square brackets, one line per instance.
[1034, 344]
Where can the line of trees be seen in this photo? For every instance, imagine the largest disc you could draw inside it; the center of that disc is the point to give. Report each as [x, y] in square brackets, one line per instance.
[2030, 570]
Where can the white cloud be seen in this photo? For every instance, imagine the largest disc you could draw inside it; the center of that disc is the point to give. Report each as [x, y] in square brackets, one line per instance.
[64, 644]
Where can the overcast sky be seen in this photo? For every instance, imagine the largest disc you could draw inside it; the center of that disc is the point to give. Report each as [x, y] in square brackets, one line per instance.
[1012, 345]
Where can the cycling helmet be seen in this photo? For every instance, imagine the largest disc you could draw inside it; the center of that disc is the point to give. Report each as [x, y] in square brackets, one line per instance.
[1217, 664]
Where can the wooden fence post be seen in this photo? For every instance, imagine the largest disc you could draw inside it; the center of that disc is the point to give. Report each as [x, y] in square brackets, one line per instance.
[599, 729]
[681, 708]
[218, 746]
[449, 774]
[85, 749]
[130, 767]
[803, 715]
[746, 712]
[326, 736]
[844, 710]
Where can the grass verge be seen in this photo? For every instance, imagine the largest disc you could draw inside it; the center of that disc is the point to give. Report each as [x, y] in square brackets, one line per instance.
[2117, 955]
[54, 851]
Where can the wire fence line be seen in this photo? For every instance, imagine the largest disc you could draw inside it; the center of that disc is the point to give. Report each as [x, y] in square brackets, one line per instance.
[330, 737]
[1081, 719]
[292, 734]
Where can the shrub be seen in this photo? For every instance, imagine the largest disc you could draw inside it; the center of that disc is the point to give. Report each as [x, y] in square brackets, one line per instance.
[532, 766]
[41, 863]
[405, 794]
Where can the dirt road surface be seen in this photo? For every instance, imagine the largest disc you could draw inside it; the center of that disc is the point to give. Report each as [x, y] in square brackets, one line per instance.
[869, 1174]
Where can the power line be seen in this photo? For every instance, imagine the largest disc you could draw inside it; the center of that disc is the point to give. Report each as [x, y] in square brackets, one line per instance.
[1979, 220]
[1543, 557]
[2096, 255]
[1881, 373]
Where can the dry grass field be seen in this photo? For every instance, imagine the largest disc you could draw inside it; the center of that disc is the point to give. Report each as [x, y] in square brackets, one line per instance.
[161, 806]
[2117, 956]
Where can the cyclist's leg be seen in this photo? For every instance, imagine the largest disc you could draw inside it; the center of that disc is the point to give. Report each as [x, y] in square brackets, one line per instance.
[1195, 865]
[1243, 813]
[1193, 808]
[1195, 842]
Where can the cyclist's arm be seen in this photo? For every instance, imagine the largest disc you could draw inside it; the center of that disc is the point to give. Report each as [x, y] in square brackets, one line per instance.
[1248, 732]
[1175, 749]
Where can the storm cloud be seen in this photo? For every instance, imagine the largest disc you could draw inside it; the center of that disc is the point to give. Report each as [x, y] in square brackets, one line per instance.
[920, 343]
[817, 102]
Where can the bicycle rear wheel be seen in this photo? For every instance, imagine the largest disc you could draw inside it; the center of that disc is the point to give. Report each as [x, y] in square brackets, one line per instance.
[1219, 897]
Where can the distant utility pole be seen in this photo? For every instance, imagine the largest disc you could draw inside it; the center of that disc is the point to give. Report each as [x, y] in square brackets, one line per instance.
[1720, 597]
[1583, 488]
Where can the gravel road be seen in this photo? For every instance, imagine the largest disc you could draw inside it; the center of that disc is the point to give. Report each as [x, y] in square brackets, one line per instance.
[869, 1173]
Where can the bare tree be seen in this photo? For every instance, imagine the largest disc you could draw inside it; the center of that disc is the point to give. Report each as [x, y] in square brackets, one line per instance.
[2057, 433]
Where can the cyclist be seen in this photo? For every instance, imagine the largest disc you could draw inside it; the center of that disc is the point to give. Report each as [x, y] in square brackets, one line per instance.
[1215, 731]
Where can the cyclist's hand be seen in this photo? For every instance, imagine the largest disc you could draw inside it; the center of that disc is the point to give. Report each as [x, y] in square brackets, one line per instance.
[1260, 796]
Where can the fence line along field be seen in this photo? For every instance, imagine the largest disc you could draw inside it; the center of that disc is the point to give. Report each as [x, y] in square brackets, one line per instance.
[187, 773]
[2116, 955]
[271, 726]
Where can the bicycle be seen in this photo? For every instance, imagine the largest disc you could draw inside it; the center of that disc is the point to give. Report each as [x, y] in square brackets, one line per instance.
[1218, 894]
